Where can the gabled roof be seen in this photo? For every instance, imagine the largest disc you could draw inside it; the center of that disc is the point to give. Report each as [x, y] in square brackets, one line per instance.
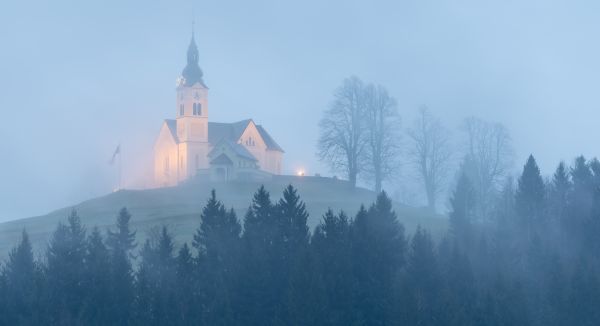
[218, 131]
[222, 159]
[172, 125]
[230, 132]
[238, 149]
[271, 144]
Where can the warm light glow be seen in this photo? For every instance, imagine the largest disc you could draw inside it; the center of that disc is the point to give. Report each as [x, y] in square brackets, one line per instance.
[300, 173]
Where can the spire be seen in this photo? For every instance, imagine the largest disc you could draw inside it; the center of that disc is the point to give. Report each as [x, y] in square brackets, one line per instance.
[192, 73]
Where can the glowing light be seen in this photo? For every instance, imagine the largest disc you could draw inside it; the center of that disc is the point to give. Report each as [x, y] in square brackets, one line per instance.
[300, 173]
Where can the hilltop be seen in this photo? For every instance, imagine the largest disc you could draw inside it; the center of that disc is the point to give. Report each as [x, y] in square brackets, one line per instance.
[179, 208]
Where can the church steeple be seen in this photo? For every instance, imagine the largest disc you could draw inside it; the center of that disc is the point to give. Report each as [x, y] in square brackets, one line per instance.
[192, 73]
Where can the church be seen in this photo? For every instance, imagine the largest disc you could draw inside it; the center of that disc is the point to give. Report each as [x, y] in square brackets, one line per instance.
[190, 146]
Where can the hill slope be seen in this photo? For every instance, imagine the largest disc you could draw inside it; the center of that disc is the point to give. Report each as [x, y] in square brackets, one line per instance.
[179, 208]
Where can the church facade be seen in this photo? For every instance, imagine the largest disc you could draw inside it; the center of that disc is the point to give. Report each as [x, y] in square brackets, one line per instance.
[190, 146]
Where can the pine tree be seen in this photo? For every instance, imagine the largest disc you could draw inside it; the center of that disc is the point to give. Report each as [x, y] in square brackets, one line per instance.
[379, 246]
[560, 187]
[186, 285]
[293, 258]
[66, 272]
[462, 208]
[218, 244]
[155, 302]
[530, 198]
[335, 297]
[97, 281]
[259, 301]
[423, 278]
[20, 286]
[120, 244]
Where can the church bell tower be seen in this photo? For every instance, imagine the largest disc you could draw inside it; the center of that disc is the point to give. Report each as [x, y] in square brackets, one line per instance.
[192, 117]
[192, 100]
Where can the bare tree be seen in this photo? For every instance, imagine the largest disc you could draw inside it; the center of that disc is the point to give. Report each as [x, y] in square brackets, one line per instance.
[488, 155]
[343, 138]
[430, 153]
[382, 123]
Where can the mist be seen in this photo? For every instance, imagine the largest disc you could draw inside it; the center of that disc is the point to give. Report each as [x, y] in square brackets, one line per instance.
[80, 78]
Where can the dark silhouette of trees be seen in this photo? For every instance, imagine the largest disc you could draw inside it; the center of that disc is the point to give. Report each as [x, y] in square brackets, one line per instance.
[536, 263]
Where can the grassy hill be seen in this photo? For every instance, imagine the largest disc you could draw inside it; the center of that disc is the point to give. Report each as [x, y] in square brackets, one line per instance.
[179, 208]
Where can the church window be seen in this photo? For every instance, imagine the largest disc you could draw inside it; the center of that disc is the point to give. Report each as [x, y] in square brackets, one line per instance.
[181, 107]
[199, 109]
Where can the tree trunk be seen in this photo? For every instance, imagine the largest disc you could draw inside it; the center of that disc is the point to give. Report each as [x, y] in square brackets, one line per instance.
[377, 183]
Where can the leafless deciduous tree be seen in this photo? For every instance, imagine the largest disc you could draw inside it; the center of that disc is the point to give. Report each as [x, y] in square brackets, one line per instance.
[489, 155]
[343, 138]
[383, 144]
[430, 153]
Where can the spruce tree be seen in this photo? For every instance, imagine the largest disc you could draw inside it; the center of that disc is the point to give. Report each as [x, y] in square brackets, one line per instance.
[66, 272]
[462, 208]
[97, 281]
[423, 279]
[120, 243]
[335, 284]
[560, 187]
[218, 244]
[292, 259]
[258, 300]
[379, 248]
[530, 198]
[19, 286]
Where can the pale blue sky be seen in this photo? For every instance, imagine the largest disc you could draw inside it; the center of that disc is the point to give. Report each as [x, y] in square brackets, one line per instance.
[78, 77]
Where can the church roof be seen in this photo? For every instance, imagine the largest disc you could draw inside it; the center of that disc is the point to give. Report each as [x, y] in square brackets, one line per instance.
[238, 149]
[271, 144]
[233, 131]
[172, 125]
[222, 159]
[230, 132]
[192, 73]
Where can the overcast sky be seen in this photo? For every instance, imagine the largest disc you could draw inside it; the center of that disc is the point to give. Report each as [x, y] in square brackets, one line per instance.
[79, 77]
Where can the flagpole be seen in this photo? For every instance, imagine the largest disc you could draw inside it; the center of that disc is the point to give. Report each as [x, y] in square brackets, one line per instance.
[120, 165]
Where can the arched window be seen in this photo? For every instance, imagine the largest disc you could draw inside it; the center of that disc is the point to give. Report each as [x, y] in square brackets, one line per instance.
[194, 108]
[199, 109]
[181, 109]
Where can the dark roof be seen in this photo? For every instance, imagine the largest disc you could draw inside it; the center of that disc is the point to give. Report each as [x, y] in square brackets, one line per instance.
[230, 132]
[192, 73]
[271, 144]
[222, 159]
[238, 149]
[172, 124]
[218, 131]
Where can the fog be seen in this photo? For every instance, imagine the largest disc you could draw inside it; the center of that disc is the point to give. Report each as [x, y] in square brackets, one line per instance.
[77, 78]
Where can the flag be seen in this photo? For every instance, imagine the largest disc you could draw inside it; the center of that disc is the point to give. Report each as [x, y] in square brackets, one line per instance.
[114, 156]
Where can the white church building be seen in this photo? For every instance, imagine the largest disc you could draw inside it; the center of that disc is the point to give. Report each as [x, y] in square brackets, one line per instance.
[190, 146]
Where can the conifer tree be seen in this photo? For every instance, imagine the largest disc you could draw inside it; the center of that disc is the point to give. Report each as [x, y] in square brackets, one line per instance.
[97, 281]
[462, 209]
[336, 293]
[120, 243]
[218, 244]
[65, 270]
[186, 285]
[19, 286]
[560, 187]
[379, 248]
[530, 198]
[424, 280]
[155, 302]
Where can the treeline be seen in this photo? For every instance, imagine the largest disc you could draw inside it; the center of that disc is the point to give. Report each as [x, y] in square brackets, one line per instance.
[535, 261]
